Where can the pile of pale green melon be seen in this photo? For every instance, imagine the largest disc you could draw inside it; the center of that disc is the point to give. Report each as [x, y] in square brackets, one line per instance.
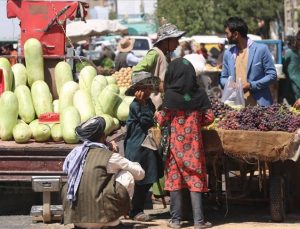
[26, 96]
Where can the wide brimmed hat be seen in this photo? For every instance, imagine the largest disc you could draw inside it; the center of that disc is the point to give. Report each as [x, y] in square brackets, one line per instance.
[140, 79]
[168, 31]
[125, 44]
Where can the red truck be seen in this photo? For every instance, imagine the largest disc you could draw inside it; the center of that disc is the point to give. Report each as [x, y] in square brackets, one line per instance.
[19, 162]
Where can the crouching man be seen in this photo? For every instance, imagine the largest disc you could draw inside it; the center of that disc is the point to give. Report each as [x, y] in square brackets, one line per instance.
[100, 182]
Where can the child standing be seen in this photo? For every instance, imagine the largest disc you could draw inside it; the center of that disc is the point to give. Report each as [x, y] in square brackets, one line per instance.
[140, 120]
[185, 109]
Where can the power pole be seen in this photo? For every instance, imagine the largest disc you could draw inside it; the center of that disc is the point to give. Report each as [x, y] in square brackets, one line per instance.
[142, 7]
[116, 7]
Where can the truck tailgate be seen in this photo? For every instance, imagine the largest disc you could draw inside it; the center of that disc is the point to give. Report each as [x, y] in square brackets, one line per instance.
[18, 162]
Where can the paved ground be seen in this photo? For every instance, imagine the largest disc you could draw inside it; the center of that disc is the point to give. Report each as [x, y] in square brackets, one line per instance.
[238, 217]
[15, 207]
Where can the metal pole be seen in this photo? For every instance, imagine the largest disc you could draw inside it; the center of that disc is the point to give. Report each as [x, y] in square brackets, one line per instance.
[116, 7]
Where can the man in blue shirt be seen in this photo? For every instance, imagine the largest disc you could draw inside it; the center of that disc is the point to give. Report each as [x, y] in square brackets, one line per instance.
[249, 61]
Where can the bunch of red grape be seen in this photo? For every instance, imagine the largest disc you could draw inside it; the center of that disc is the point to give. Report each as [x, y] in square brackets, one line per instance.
[276, 117]
[220, 109]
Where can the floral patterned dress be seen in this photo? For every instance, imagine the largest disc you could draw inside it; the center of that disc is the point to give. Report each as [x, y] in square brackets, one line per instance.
[185, 163]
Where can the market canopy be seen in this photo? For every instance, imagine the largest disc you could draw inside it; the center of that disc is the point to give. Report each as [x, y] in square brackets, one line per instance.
[208, 39]
[213, 39]
[80, 30]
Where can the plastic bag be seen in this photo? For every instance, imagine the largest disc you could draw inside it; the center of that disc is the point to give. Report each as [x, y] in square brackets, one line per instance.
[233, 94]
[152, 140]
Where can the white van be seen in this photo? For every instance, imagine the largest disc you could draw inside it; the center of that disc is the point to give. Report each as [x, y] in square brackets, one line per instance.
[141, 45]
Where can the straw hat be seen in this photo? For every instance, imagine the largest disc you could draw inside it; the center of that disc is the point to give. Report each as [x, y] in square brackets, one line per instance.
[125, 44]
[142, 79]
[168, 31]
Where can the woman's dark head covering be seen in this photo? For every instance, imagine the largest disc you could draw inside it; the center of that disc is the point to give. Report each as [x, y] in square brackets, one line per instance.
[91, 129]
[181, 91]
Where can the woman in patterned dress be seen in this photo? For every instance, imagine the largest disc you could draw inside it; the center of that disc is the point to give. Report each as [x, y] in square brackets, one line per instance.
[185, 108]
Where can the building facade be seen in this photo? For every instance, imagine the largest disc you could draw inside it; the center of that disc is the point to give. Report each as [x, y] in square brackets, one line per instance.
[291, 16]
[93, 3]
[126, 7]
[137, 15]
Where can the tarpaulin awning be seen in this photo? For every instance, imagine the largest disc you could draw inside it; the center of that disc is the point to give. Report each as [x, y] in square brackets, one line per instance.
[80, 30]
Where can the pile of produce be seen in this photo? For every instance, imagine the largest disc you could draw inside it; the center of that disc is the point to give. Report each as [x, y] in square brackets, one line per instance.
[220, 109]
[27, 96]
[105, 71]
[123, 77]
[276, 117]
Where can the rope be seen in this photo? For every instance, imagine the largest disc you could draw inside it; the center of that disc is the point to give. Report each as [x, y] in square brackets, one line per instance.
[60, 23]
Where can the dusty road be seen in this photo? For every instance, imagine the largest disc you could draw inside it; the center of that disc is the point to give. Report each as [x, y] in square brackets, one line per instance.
[238, 217]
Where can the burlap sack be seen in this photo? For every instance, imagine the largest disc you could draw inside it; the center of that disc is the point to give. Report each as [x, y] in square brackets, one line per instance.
[268, 146]
[212, 141]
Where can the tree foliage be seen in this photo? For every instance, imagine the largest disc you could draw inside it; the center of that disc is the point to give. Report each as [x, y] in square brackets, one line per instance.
[208, 16]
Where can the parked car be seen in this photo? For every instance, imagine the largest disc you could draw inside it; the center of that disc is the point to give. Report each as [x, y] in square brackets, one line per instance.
[141, 45]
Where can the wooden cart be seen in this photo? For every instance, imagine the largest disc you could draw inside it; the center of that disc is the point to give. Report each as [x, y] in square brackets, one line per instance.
[268, 155]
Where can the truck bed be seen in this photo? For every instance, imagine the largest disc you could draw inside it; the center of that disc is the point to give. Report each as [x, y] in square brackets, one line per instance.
[18, 162]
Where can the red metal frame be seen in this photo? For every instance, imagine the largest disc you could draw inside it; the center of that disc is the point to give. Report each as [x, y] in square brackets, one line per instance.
[45, 21]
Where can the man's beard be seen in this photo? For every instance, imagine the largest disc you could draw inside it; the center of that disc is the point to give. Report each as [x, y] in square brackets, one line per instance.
[232, 42]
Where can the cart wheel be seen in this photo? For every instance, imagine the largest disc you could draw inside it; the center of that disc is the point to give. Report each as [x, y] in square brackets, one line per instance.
[277, 198]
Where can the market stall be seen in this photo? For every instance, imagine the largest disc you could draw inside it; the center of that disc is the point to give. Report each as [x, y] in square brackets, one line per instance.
[33, 97]
[269, 146]
[269, 154]
[44, 151]
[253, 148]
